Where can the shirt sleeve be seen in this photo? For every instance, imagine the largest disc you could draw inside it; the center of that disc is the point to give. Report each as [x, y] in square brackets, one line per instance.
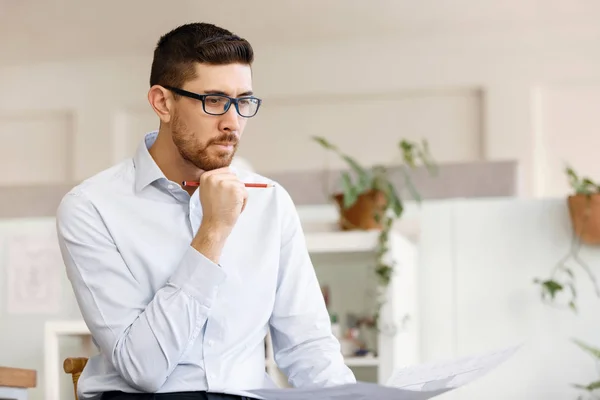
[143, 338]
[303, 344]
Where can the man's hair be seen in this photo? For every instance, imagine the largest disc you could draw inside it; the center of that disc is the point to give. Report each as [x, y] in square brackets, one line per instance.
[178, 51]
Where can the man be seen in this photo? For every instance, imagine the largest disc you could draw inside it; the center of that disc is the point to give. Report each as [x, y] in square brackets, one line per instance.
[178, 284]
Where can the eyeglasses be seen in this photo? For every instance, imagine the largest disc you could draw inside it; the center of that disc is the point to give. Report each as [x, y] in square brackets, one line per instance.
[217, 104]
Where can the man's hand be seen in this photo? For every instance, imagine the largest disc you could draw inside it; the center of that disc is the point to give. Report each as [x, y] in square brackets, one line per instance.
[223, 198]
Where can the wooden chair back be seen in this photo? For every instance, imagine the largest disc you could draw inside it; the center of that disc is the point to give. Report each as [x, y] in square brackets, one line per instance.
[75, 366]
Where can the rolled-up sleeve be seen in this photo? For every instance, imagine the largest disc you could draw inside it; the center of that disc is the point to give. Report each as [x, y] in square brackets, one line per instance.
[143, 338]
[304, 347]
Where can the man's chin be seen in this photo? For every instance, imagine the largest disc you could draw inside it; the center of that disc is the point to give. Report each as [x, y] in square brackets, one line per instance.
[209, 165]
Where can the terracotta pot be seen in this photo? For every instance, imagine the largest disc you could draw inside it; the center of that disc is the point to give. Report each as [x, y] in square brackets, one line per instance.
[361, 215]
[585, 217]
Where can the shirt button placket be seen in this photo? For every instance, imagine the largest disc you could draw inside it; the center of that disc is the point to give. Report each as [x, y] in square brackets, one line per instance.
[210, 363]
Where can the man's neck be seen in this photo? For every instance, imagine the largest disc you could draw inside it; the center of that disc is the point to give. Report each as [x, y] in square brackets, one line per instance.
[173, 166]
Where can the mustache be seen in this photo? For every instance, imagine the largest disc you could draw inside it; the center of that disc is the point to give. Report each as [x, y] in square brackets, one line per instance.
[228, 138]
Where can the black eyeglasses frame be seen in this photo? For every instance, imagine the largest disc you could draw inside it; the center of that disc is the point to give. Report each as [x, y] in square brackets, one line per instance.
[230, 100]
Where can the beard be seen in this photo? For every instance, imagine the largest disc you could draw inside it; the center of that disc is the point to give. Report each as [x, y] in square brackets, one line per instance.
[200, 154]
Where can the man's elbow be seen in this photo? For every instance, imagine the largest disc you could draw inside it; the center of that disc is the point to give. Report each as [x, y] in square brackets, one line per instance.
[146, 384]
[141, 374]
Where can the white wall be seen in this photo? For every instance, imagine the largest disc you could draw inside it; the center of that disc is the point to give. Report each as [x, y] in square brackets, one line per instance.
[480, 91]
[478, 259]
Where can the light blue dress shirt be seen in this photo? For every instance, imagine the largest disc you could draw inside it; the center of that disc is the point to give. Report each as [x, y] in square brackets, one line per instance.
[167, 319]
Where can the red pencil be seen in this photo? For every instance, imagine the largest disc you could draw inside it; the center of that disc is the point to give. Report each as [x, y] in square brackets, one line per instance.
[248, 185]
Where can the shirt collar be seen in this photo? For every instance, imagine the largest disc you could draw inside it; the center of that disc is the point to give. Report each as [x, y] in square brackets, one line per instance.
[146, 170]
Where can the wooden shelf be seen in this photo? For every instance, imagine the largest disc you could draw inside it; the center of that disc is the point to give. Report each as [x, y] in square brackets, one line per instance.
[362, 361]
[72, 327]
[341, 241]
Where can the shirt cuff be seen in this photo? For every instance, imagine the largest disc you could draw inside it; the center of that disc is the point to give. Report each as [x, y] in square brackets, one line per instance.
[198, 276]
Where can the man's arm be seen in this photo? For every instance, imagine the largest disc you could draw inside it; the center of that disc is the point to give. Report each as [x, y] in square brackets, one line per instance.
[304, 346]
[142, 337]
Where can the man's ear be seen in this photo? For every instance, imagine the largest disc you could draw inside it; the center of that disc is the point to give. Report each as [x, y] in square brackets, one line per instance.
[161, 101]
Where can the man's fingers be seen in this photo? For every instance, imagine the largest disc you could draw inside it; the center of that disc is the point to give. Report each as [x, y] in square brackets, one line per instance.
[245, 199]
[215, 172]
[212, 176]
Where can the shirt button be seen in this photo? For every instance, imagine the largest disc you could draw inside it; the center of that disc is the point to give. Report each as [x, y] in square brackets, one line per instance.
[212, 376]
[171, 186]
[211, 342]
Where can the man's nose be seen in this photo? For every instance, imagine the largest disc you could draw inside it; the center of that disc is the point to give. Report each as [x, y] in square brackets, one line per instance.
[231, 119]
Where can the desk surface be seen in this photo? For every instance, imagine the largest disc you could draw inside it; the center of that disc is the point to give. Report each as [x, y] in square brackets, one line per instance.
[18, 377]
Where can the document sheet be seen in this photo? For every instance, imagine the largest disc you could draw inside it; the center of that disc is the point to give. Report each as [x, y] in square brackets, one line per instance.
[419, 382]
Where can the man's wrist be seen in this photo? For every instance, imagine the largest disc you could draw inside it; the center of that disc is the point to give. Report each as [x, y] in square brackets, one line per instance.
[210, 240]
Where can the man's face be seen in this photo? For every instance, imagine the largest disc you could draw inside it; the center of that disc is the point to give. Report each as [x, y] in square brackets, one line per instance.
[210, 141]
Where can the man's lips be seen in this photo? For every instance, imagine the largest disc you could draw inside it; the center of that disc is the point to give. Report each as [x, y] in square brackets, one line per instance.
[225, 145]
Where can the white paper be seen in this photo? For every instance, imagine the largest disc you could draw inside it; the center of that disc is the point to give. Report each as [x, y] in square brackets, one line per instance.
[33, 266]
[419, 382]
[357, 391]
[449, 374]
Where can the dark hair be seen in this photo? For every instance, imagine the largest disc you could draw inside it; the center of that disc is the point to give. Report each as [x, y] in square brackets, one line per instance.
[178, 51]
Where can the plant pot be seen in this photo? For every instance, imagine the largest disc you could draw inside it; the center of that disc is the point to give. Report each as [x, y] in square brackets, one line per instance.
[585, 217]
[361, 215]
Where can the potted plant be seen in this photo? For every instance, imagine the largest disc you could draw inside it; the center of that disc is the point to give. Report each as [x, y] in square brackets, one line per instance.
[584, 207]
[370, 200]
[584, 211]
[368, 195]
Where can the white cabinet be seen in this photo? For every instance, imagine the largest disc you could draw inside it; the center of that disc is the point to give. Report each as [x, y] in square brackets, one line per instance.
[344, 263]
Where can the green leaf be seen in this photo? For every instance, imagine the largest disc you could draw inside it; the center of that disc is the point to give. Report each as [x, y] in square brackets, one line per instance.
[394, 201]
[361, 173]
[552, 287]
[593, 386]
[587, 348]
[384, 272]
[407, 152]
[349, 190]
[588, 182]
[573, 178]
[589, 387]
[581, 185]
[325, 143]
[427, 159]
[572, 305]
